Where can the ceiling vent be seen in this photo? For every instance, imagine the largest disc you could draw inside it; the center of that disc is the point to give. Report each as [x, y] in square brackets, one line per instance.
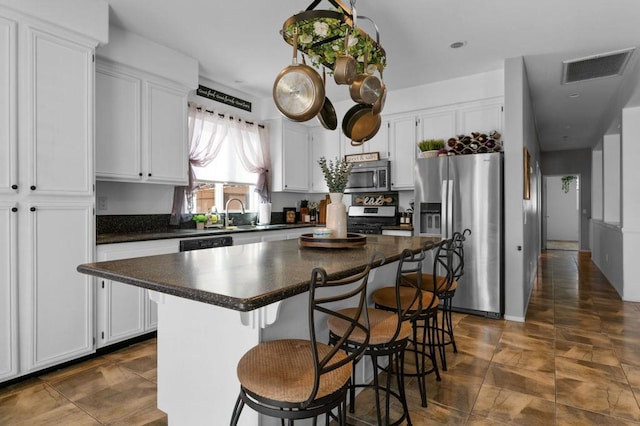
[596, 66]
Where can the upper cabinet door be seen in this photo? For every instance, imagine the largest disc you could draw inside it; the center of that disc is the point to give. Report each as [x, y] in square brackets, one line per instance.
[437, 125]
[480, 118]
[403, 151]
[8, 106]
[58, 126]
[324, 143]
[117, 125]
[166, 134]
[295, 142]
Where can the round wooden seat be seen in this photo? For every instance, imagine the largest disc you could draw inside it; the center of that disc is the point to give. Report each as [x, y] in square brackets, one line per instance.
[283, 370]
[382, 327]
[427, 280]
[386, 298]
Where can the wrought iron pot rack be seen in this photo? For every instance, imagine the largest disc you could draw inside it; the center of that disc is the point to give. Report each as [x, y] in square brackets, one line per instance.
[322, 47]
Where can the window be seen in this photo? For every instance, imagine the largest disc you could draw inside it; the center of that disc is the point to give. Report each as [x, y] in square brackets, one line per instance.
[228, 158]
[214, 196]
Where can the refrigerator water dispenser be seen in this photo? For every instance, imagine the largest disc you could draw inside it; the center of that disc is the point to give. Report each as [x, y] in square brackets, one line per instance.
[430, 214]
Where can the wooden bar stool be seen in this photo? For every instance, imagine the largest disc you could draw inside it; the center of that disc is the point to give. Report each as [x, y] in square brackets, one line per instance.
[389, 332]
[423, 321]
[298, 379]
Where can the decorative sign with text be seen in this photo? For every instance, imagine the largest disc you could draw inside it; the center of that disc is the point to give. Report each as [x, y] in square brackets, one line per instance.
[375, 199]
[367, 156]
[217, 96]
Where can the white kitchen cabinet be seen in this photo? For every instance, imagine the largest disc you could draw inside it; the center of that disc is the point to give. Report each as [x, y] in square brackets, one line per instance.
[324, 143]
[8, 291]
[8, 90]
[125, 311]
[141, 127]
[248, 238]
[482, 117]
[403, 151]
[57, 127]
[379, 143]
[47, 176]
[118, 126]
[436, 125]
[290, 156]
[55, 301]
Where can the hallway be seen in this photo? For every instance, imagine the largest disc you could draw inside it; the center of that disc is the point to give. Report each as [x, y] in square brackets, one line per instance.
[575, 361]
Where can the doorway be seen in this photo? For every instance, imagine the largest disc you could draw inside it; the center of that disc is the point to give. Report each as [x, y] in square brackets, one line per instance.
[562, 212]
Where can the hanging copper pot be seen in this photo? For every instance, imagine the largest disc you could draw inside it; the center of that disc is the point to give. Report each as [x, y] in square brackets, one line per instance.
[345, 68]
[298, 91]
[360, 124]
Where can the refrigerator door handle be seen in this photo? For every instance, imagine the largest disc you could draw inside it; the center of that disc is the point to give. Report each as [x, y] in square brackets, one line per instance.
[447, 203]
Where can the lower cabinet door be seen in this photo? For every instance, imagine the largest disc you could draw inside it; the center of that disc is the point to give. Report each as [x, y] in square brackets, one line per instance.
[56, 301]
[125, 311]
[8, 291]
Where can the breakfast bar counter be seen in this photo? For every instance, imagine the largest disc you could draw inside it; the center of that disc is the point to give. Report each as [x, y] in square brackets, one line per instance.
[215, 304]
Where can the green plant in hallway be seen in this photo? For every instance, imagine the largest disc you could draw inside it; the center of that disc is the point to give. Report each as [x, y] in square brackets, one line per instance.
[566, 182]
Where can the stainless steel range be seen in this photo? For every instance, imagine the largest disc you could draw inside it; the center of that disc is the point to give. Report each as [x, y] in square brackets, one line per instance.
[370, 219]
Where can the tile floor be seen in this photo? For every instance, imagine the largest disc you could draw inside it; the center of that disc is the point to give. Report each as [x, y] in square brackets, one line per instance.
[575, 361]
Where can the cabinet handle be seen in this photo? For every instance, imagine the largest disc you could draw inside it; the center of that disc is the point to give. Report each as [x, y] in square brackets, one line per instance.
[14, 209]
[140, 174]
[14, 186]
[33, 209]
[33, 187]
[149, 174]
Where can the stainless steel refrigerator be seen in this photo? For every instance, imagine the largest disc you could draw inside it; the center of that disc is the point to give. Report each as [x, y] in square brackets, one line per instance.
[465, 191]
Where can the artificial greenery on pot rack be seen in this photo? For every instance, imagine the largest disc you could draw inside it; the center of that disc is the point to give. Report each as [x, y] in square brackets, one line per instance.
[321, 37]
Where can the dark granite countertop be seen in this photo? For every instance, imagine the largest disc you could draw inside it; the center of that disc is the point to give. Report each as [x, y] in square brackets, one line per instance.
[399, 227]
[127, 237]
[249, 276]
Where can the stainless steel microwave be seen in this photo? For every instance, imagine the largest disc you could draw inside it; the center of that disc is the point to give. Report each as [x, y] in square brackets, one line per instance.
[369, 176]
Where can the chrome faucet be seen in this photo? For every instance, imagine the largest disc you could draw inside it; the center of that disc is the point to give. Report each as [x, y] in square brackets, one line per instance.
[226, 210]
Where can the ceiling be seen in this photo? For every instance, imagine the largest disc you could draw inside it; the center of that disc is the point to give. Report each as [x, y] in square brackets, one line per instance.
[238, 44]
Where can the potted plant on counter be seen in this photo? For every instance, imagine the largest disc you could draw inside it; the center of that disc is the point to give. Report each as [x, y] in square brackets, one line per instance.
[336, 174]
[199, 219]
[430, 147]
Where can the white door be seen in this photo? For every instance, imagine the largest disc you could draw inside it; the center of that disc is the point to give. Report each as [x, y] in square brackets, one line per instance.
[562, 209]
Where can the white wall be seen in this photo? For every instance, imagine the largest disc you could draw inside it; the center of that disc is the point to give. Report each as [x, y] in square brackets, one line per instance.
[597, 194]
[630, 202]
[612, 175]
[133, 198]
[522, 217]
[607, 253]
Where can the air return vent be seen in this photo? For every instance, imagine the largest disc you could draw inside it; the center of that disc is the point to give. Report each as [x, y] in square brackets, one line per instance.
[596, 66]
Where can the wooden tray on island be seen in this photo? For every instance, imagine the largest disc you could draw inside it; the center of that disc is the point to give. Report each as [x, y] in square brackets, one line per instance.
[351, 240]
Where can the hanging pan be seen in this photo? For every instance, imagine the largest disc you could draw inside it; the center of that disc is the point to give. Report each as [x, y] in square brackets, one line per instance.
[379, 104]
[327, 115]
[360, 124]
[345, 68]
[366, 88]
[298, 91]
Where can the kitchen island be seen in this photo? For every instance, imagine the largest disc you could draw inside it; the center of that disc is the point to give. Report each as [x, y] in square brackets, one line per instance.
[215, 304]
